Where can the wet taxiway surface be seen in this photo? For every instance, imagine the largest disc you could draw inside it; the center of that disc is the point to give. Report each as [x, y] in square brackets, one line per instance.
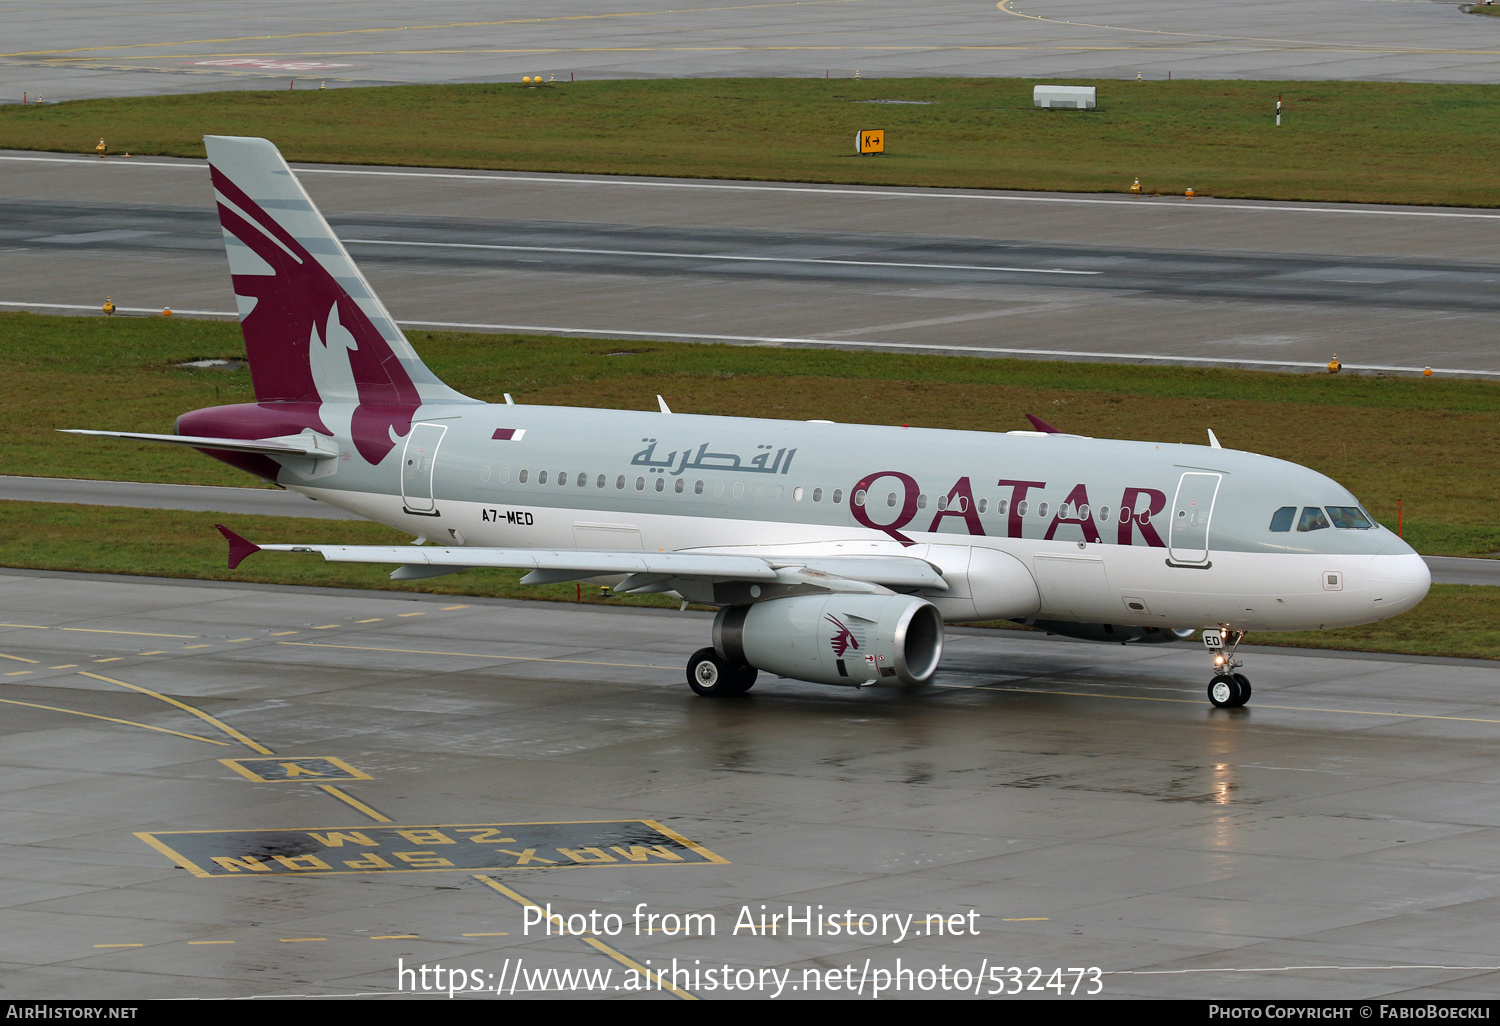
[406, 772]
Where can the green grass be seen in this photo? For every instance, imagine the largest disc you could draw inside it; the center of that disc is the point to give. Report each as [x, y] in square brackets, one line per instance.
[1433, 444]
[1380, 142]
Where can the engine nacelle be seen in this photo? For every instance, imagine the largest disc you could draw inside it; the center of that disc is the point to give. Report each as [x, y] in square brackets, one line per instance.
[1117, 633]
[834, 639]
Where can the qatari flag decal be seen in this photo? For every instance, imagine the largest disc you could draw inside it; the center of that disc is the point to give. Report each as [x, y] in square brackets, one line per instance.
[508, 434]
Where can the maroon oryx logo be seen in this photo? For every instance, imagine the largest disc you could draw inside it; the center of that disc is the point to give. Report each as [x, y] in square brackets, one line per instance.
[844, 640]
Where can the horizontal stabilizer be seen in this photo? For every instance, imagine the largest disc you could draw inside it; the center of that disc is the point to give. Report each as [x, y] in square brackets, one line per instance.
[239, 547]
[279, 447]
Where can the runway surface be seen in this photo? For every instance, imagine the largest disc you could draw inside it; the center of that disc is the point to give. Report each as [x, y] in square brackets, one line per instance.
[1277, 285]
[406, 770]
[124, 47]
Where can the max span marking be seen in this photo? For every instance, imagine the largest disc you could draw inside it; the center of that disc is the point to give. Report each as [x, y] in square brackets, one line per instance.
[470, 847]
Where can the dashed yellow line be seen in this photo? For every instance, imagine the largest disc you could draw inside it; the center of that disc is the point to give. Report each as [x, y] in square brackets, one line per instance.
[64, 666]
[449, 609]
[208, 942]
[133, 634]
[19, 673]
[301, 940]
[396, 936]
[19, 659]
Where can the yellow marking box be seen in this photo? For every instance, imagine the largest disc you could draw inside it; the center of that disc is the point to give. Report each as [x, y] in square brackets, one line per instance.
[457, 847]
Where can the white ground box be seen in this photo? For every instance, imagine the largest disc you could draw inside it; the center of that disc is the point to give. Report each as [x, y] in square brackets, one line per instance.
[1078, 97]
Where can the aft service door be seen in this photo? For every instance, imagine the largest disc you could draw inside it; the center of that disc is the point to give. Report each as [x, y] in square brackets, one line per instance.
[416, 468]
[1191, 512]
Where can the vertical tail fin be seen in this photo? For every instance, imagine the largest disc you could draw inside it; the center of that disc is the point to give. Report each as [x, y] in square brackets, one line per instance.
[314, 331]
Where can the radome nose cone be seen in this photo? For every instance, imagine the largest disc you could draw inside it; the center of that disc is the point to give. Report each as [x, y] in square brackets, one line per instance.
[1399, 582]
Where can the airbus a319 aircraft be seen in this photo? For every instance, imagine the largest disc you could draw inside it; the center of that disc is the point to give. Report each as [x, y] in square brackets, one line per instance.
[834, 552]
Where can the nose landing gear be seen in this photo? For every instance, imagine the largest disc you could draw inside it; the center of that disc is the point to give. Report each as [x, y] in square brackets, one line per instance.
[1227, 689]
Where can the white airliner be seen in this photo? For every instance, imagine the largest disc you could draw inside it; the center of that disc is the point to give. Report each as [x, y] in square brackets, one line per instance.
[833, 552]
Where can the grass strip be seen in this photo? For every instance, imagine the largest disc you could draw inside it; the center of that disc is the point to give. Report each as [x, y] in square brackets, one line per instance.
[1430, 444]
[1455, 620]
[1370, 142]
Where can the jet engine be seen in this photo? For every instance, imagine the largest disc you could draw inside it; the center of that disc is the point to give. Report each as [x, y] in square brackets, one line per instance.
[1109, 631]
[840, 638]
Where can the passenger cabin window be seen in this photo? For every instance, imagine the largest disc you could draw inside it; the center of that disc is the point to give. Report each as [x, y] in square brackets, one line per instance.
[1281, 520]
[838, 495]
[1349, 518]
[1312, 519]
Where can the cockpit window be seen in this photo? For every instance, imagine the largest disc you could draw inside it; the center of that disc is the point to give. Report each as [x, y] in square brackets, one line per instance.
[1312, 519]
[1349, 517]
[1282, 519]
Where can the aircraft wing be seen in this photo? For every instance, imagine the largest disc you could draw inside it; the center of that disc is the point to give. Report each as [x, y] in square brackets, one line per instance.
[643, 571]
[295, 445]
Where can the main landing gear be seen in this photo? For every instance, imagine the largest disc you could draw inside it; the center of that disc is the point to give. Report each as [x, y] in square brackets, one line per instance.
[712, 677]
[1227, 690]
